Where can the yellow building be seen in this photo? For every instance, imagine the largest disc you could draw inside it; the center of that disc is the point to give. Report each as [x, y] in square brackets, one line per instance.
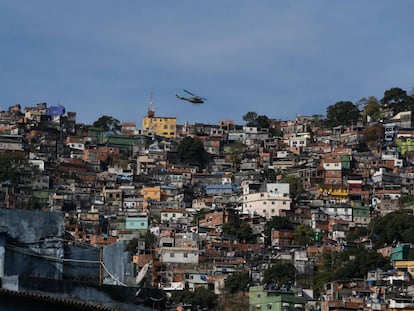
[405, 266]
[151, 194]
[334, 192]
[162, 126]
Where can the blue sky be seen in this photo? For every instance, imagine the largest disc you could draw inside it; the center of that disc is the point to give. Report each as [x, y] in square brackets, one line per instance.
[277, 58]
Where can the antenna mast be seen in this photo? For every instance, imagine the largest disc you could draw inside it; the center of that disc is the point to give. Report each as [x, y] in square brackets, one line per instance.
[151, 111]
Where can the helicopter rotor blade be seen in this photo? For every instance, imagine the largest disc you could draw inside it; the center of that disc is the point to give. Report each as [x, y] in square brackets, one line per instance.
[189, 93]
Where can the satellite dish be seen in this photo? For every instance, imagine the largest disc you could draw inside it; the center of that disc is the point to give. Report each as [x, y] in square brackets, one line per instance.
[141, 274]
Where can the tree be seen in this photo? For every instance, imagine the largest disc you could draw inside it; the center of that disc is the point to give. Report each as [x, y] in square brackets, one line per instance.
[107, 123]
[394, 95]
[304, 235]
[398, 100]
[363, 262]
[268, 175]
[280, 273]
[201, 297]
[263, 121]
[14, 168]
[295, 185]
[253, 119]
[234, 153]
[318, 121]
[328, 261]
[191, 151]
[406, 200]
[236, 282]
[371, 109]
[276, 223]
[242, 232]
[392, 228]
[250, 117]
[373, 134]
[342, 113]
[359, 233]
[149, 238]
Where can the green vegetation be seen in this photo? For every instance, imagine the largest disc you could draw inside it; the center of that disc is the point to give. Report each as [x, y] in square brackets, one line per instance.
[107, 123]
[276, 223]
[295, 185]
[202, 297]
[149, 239]
[234, 153]
[371, 108]
[393, 228]
[237, 282]
[191, 151]
[15, 168]
[304, 235]
[280, 273]
[241, 232]
[253, 119]
[346, 265]
[398, 100]
[373, 134]
[359, 264]
[342, 113]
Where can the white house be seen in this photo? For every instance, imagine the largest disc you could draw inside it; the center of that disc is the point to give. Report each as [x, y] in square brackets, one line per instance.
[267, 199]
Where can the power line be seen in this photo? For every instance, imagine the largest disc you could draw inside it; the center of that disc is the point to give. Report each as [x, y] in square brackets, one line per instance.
[62, 260]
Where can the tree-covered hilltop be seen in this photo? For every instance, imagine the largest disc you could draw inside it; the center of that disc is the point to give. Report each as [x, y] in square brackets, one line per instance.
[345, 112]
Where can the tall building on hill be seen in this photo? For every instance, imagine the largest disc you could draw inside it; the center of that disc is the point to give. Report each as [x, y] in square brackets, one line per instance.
[162, 126]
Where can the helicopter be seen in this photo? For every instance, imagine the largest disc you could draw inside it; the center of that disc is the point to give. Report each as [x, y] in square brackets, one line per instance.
[194, 99]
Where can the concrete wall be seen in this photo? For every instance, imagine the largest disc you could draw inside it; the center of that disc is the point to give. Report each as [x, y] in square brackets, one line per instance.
[119, 264]
[34, 243]
[31, 226]
[82, 263]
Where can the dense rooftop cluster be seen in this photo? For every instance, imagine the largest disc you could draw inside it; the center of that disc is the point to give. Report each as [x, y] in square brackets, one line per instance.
[312, 213]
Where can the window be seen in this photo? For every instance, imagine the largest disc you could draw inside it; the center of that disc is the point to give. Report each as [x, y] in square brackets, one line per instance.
[284, 202]
[185, 255]
[172, 255]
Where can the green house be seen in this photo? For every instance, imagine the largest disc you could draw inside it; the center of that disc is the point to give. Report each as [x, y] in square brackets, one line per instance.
[360, 210]
[405, 145]
[346, 161]
[136, 223]
[261, 298]
[400, 252]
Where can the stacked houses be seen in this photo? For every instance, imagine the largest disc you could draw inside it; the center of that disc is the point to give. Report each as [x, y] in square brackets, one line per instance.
[194, 226]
